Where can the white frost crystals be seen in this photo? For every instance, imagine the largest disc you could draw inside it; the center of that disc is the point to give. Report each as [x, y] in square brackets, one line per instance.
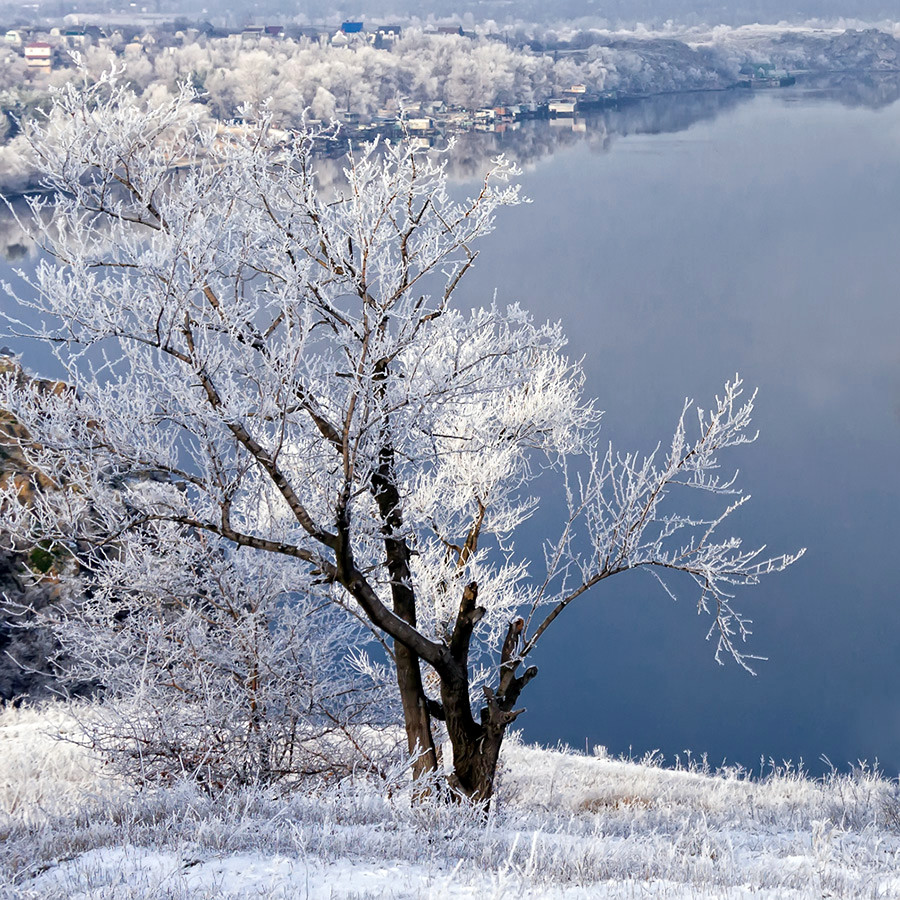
[630, 525]
[279, 370]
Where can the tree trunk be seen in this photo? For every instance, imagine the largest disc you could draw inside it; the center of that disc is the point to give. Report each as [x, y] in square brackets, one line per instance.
[476, 748]
[476, 745]
[475, 767]
[416, 717]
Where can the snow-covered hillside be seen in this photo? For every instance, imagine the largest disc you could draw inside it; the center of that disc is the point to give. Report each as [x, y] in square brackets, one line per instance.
[565, 825]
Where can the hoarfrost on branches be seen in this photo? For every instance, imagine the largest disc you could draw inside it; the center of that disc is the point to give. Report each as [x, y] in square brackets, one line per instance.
[283, 369]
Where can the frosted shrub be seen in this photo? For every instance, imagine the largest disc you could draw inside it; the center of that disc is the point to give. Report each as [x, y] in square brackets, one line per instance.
[210, 667]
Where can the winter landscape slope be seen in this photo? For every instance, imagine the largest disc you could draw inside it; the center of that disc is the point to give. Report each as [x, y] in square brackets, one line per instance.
[565, 825]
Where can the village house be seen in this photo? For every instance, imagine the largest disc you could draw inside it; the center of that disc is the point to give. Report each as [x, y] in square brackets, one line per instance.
[74, 39]
[423, 123]
[561, 106]
[350, 33]
[386, 36]
[39, 55]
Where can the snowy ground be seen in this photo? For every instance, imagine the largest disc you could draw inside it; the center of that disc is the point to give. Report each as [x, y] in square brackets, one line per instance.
[565, 826]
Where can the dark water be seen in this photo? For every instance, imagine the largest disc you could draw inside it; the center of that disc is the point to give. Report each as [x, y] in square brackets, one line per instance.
[681, 240]
[763, 238]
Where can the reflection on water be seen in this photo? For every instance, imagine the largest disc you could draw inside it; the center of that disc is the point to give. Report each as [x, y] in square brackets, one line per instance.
[15, 245]
[871, 90]
[598, 130]
[529, 142]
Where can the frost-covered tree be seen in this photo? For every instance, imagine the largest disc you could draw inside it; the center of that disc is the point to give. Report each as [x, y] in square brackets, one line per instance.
[292, 366]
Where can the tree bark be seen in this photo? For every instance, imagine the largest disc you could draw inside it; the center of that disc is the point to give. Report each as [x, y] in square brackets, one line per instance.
[416, 716]
[476, 745]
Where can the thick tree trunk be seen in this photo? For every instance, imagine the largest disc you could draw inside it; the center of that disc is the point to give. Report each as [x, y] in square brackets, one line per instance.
[475, 769]
[476, 748]
[476, 745]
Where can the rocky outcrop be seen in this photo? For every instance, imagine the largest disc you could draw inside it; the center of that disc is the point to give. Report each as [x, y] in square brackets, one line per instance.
[28, 665]
[30, 586]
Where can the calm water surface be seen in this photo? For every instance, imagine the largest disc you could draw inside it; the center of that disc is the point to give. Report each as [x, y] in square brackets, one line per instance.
[763, 240]
[681, 240]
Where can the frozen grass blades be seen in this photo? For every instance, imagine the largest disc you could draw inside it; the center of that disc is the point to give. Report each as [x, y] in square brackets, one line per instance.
[564, 825]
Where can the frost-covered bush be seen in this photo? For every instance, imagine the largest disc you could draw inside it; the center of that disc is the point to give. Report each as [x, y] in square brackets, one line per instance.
[209, 662]
[212, 667]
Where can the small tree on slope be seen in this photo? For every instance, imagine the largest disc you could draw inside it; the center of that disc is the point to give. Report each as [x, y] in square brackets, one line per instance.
[292, 369]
